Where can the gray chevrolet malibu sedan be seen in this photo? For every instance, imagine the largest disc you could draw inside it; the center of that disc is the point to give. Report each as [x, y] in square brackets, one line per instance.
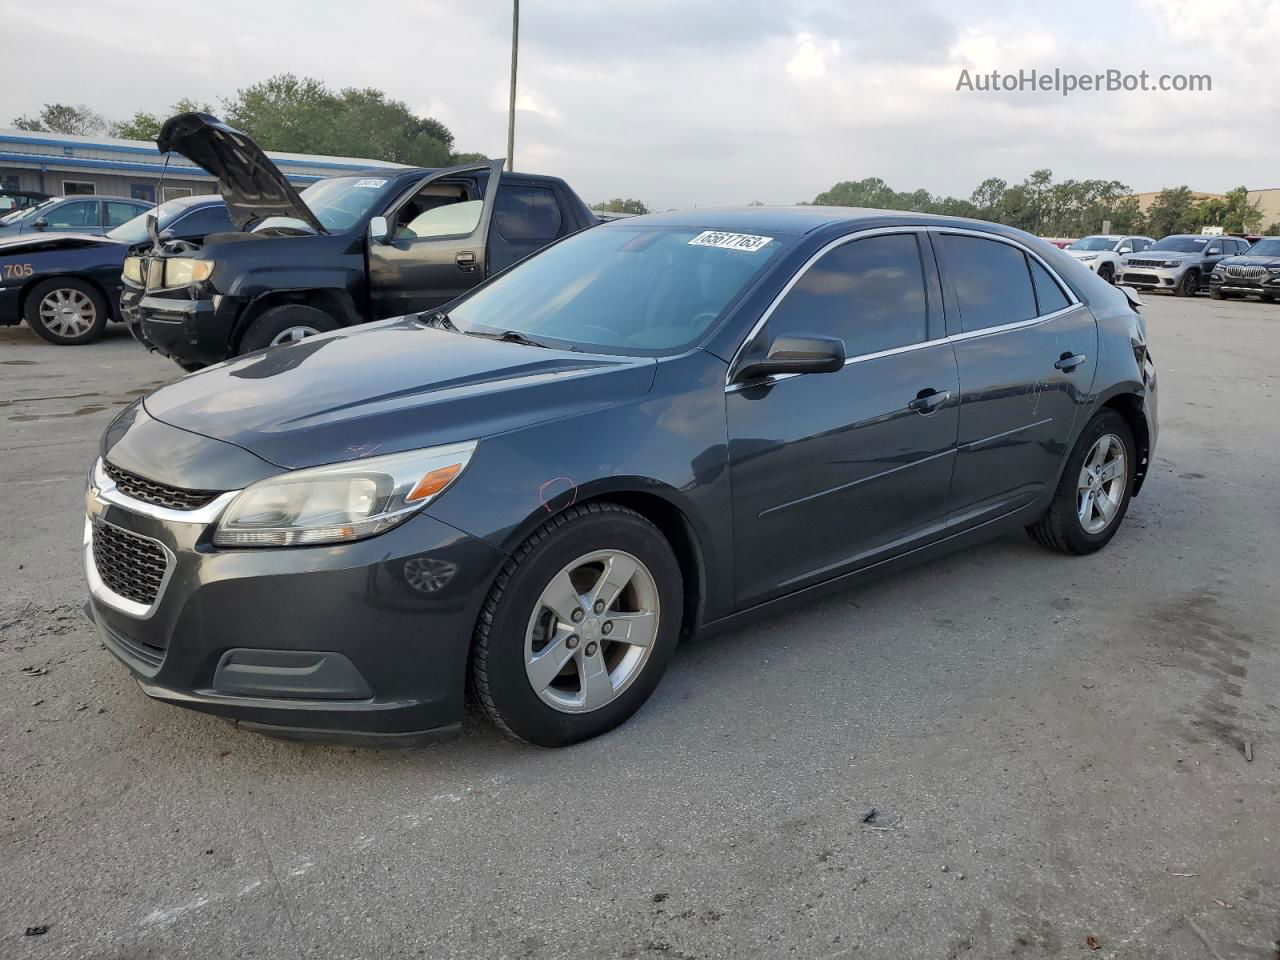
[656, 427]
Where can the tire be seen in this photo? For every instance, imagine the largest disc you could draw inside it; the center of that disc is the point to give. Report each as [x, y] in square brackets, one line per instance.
[1267, 297]
[66, 311]
[1061, 527]
[1107, 272]
[1188, 285]
[516, 627]
[190, 366]
[271, 325]
[1215, 293]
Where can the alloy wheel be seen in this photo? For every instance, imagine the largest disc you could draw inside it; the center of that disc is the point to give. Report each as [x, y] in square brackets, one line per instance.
[1100, 490]
[591, 631]
[292, 334]
[68, 312]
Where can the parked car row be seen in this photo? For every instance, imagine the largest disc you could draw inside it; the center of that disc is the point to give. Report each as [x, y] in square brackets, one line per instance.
[657, 426]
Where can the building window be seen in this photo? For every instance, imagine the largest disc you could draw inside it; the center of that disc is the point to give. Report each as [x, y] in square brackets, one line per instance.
[143, 191]
[76, 188]
[171, 193]
[9, 181]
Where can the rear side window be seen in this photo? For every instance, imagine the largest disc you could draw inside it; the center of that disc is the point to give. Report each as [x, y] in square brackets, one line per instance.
[991, 280]
[523, 214]
[869, 293]
[1049, 295]
[202, 222]
[118, 213]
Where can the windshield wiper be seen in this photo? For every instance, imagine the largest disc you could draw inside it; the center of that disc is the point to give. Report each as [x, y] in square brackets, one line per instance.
[511, 336]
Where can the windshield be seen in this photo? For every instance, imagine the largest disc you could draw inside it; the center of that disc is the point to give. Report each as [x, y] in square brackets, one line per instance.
[624, 288]
[28, 213]
[135, 230]
[1266, 247]
[338, 203]
[1181, 244]
[1094, 243]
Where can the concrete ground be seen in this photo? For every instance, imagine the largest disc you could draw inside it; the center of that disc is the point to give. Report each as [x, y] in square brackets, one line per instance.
[1054, 746]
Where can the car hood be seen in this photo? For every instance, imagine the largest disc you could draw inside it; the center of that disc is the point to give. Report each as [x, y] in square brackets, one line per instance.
[390, 386]
[252, 186]
[33, 242]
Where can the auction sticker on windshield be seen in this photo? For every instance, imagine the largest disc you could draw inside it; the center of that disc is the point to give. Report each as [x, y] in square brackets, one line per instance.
[371, 183]
[729, 241]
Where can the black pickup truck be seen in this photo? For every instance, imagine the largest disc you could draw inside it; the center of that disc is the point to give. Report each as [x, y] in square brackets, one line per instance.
[392, 241]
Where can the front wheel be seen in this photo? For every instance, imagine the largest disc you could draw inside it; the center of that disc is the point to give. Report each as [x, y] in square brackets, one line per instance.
[67, 311]
[1094, 492]
[1107, 272]
[1217, 293]
[578, 627]
[285, 324]
[1188, 285]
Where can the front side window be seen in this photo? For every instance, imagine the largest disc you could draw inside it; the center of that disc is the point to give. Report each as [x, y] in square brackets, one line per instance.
[631, 289]
[81, 213]
[991, 280]
[523, 214]
[869, 293]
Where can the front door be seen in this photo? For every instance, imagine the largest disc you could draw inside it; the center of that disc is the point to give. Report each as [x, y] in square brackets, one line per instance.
[435, 248]
[1026, 352]
[831, 470]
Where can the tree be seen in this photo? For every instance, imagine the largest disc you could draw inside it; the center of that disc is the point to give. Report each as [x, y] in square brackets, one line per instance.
[146, 126]
[1234, 213]
[64, 118]
[1273, 230]
[302, 115]
[1172, 211]
[618, 205]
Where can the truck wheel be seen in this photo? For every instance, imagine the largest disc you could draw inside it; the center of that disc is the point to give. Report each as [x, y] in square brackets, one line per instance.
[285, 324]
[1188, 285]
[1107, 272]
[66, 311]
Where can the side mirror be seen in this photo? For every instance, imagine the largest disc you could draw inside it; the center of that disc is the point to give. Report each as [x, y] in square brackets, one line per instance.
[379, 229]
[795, 354]
[166, 235]
[40, 223]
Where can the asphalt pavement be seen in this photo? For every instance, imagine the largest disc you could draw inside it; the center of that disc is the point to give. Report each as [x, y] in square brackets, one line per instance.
[1054, 748]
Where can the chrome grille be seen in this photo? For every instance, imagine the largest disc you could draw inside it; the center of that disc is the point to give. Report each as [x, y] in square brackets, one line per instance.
[1247, 273]
[159, 494]
[129, 565]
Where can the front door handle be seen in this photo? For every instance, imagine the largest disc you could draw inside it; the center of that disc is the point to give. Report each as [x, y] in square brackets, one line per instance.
[929, 400]
[466, 260]
[1069, 361]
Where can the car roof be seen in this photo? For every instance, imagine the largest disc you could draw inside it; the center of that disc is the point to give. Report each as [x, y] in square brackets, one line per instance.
[97, 196]
[803, 219]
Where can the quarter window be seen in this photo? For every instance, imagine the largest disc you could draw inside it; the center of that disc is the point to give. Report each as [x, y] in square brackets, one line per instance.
[526, 214]
[1049, 295]
[991, 281]
[869, 293]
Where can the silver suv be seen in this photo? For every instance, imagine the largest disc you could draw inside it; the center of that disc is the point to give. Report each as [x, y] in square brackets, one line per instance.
[1180, 262]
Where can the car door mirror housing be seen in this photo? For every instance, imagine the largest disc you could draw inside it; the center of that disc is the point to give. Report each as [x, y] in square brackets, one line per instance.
[40, 223]
[379, 230]
[795, 354]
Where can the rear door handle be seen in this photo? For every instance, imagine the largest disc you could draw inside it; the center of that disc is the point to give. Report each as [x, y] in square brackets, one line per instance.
[466, 260]
[1069, 361]
[929, 400]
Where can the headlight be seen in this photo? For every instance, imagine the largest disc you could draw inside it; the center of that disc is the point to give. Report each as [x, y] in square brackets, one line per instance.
[181, 271]
[1092, 256]
[1274, 271]
[133, 269]
[1172, 263]
[342, 501]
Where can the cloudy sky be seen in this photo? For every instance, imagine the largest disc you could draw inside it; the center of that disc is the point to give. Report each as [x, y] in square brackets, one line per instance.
[682, 102]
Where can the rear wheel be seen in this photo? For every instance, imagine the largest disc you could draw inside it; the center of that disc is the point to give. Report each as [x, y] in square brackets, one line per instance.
[1093, 494]
[67, 311]
[579, 626]
[286, 323]
[1188, 285]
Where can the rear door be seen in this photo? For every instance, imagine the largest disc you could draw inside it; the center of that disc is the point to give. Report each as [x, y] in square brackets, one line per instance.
[1026, 350]
[436, 247]
[830, 471]
[1215, 252]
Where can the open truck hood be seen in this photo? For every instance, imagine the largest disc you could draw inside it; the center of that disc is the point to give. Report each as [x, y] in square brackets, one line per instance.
[252, 186]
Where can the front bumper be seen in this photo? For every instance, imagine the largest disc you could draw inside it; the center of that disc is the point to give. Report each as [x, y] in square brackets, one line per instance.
[192, 332]
[1152, 278]
[1246, 286]
[364, 642]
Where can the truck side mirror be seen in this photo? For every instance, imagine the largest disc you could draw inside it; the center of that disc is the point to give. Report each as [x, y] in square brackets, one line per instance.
[379, 229]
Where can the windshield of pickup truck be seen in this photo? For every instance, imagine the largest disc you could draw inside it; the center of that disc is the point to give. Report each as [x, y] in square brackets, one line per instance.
[1094, 243]
[1181, 244]
[338, 204]
[630, 289]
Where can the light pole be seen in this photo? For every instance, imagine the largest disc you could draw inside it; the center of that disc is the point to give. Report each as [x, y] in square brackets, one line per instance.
[511, 107]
